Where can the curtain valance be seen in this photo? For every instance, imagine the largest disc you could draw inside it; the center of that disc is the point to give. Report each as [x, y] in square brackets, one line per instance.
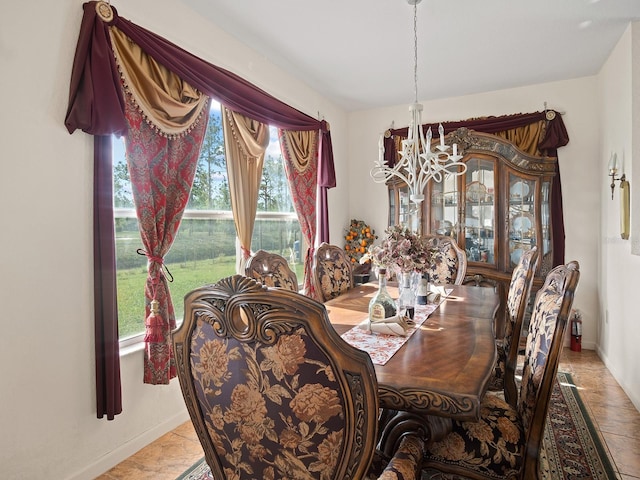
[96, 105]
[553, 133]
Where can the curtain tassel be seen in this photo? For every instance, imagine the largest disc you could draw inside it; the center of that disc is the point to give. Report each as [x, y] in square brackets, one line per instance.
[154, 324]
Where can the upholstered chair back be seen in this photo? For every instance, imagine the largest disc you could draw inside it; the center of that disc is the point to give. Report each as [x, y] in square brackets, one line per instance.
[272, 389]
[505, 442]
[332, 271]
[515, 308]
[271, 270]
[449, 264]
[548, 323]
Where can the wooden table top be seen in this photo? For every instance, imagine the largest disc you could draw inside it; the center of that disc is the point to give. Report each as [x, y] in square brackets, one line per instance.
[444, 367]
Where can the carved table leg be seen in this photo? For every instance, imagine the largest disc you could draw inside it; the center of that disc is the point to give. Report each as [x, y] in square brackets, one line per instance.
[394, 424]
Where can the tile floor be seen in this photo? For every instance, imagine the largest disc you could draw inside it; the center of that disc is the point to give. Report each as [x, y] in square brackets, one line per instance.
[612, 411]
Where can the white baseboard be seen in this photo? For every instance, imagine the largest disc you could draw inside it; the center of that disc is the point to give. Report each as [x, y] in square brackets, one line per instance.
[127, 449]
[629, 391]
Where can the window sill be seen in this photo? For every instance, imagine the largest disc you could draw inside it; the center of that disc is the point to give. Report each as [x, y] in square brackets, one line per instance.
[131, 345]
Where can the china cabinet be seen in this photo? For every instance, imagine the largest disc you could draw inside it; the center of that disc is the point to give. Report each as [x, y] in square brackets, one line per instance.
[496, 211]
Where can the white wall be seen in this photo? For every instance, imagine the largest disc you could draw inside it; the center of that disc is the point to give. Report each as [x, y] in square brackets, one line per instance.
[47, 400]
[619, 329]
[582, 178]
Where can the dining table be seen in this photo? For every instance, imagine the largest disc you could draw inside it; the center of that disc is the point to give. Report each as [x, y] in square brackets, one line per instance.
[442, 370]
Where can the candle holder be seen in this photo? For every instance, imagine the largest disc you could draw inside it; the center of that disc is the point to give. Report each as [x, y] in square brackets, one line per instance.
[613, 171]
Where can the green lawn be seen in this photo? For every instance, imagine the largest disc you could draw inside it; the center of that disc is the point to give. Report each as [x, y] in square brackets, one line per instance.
[186, 277]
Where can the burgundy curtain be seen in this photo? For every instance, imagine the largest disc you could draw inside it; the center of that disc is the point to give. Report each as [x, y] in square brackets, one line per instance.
[326, 180]
[96, 106]
[556, 136]
[108, 394]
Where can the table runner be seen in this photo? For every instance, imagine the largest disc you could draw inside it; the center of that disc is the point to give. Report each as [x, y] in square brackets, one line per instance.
[382, 347]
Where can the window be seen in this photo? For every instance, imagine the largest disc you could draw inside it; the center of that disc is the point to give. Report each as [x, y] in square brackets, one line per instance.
[204, 249]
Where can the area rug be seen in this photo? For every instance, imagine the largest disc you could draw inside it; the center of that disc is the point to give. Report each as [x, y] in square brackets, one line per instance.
[572, 447]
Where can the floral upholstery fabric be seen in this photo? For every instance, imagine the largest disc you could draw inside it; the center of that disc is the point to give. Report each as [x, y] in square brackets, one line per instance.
[406, 463]
[494, 447]
[276, 411]
[444, 265]
[541, 333]
[496, 382]
[519, 290]
[271, 270]
[333, 271]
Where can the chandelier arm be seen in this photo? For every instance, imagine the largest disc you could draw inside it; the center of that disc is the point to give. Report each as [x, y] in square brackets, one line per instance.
[384, 174]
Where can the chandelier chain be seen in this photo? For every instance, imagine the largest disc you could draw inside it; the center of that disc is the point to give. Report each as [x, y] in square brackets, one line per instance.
[418, 163]
[415, 51]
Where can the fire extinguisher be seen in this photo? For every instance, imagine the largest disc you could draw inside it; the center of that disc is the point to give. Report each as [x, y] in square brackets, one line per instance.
[576, 331]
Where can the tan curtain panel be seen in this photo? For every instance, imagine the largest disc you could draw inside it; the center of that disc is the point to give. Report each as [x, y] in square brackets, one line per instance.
[167, 102]
[245, 143]
[303, 148]
[527, 137]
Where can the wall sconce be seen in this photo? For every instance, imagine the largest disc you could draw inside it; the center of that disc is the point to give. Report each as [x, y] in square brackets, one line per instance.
[613, 170]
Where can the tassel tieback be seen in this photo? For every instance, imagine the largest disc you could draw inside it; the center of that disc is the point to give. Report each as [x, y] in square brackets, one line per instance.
[154, 324]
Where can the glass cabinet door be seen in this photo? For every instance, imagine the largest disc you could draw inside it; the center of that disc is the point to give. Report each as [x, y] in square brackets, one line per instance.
[480, 210]
[392, 207]
[408, 212]
[545, 216]
[444, 207]
[521, 217]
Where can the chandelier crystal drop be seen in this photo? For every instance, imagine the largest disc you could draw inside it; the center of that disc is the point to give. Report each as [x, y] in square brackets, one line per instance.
[418, 164]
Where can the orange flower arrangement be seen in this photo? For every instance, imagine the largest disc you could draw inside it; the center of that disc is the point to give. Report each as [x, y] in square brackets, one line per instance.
[359, 238]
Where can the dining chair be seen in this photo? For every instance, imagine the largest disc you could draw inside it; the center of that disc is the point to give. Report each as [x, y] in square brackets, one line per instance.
[332, 271]
[503, 378]
[449, 263]
[505, 442]
[274, 392]
[272, 270]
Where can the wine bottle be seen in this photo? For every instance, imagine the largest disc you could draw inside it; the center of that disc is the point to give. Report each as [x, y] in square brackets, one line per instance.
[382, 305]
[423, 290]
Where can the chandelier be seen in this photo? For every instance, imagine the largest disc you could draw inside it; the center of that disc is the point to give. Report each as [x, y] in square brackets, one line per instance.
[418, 164]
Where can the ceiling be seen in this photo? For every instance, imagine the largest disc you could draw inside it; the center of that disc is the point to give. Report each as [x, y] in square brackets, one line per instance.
[359, 53]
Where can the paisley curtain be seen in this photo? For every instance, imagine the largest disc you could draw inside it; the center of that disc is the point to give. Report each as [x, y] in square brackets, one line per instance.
[300, 152]
[162, 171]
[166, 121]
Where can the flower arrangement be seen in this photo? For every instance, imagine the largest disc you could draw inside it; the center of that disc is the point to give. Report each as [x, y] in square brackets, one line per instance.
[401, 251]
[359, 238]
